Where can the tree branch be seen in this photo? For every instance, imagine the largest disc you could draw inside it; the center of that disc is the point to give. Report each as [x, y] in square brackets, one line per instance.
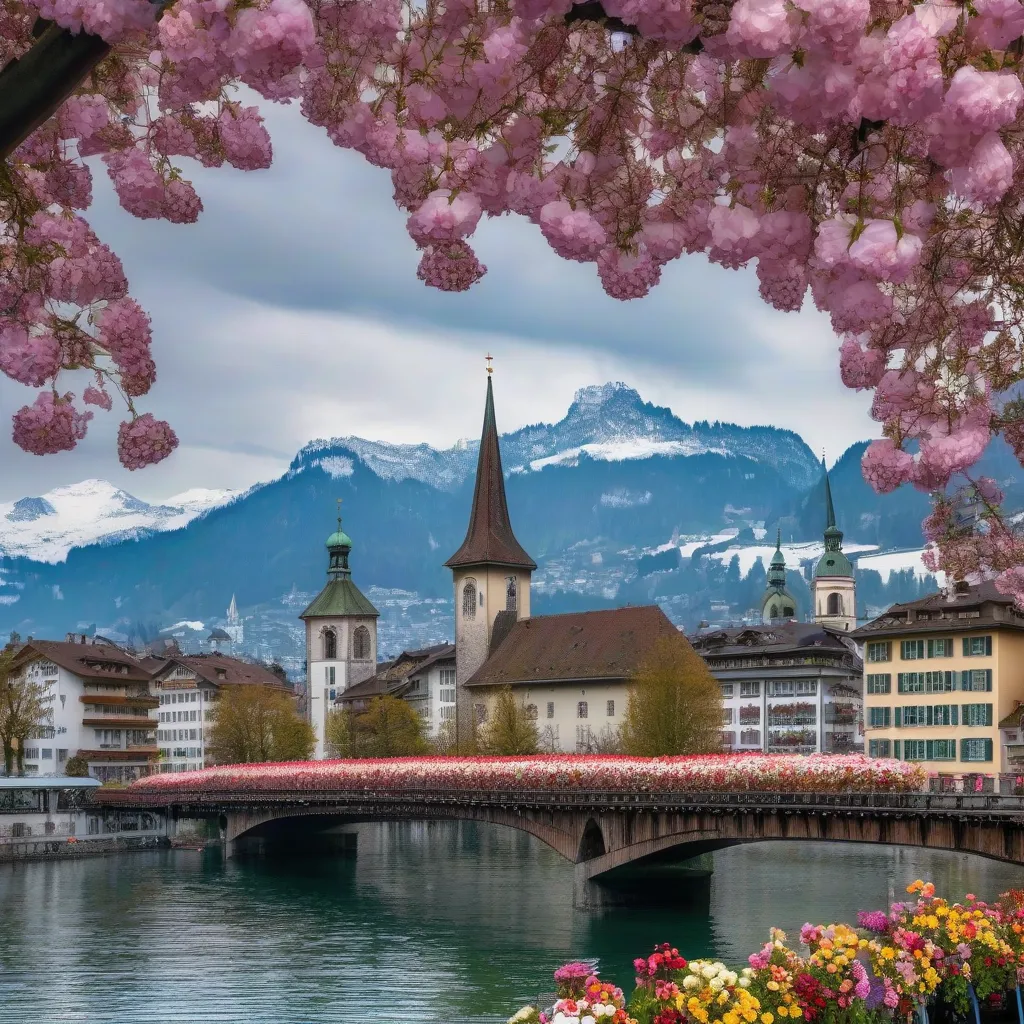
[34, 85]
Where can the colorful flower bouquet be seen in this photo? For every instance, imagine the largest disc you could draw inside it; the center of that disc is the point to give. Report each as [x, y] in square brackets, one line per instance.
[722, 773]
[894, 965]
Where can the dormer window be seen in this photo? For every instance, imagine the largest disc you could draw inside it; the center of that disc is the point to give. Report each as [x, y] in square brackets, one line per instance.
[222, 673]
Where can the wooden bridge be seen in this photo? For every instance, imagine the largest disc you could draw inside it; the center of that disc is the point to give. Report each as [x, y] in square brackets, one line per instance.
[601, 831]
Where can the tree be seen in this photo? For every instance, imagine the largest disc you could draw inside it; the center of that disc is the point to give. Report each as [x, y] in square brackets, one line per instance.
[509, 730]
[23, 708]
[870, 154]
[76, 767]
[254, 724]
[674, 704]
[389, 727]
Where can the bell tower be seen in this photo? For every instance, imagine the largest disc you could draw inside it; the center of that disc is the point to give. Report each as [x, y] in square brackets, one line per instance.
[491, 571]
[833, 589]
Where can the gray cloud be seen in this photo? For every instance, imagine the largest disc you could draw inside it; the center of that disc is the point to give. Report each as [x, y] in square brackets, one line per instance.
[292, 310]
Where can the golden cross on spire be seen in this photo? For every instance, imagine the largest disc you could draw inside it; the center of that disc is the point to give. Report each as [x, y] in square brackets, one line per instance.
[339, 512]
[489, 358]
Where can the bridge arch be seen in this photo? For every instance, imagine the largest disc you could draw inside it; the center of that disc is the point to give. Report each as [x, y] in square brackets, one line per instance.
[591, 842]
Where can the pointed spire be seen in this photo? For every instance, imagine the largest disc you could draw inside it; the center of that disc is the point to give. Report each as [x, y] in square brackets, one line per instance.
[833, 535]
[489, 538]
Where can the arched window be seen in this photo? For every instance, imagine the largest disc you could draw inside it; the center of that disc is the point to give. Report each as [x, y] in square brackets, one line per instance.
[330, 639]
[469, 600]
[835, 604]
[773, 612]
[510, 593]
[531, 712]
[361, 644]
[787, 611]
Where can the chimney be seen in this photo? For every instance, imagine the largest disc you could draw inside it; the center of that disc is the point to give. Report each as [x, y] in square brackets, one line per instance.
[71, 638]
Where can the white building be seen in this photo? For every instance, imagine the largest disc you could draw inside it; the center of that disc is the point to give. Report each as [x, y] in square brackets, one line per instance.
[341, 638]
[186, 688]
[99, 707]
[425, 678]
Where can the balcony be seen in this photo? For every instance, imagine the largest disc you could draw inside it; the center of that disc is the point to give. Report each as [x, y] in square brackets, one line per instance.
[120, 722]
[841, 714]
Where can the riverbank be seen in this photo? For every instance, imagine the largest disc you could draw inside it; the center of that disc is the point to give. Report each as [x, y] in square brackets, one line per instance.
[51, 847]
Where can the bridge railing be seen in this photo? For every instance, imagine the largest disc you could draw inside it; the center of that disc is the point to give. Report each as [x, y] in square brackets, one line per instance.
[927, 803]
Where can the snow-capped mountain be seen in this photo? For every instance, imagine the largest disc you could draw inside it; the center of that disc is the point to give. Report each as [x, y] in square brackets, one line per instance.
[46, 528]
[607, 422]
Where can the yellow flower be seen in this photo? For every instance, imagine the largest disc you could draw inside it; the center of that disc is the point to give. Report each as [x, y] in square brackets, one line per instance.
[767, 1018]
[888, 953]
[772, 986]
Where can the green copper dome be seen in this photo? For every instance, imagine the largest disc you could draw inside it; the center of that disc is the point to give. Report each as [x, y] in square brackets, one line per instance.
[833, 563]
[339, 539]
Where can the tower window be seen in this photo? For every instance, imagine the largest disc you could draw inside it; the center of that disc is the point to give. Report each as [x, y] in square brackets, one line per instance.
[330, 644]
[834, 605]
[510, 593]
[774, 612]
[469, 600]
[361, 644]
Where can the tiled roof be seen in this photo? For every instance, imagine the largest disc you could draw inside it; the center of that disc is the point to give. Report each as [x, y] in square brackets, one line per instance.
[1014, 719]
[84, 660]
[609, 644]
[235, 672]
[784, 638]
[340, 597]
[392, 676]
[375, 686]
[489, 539]
[997, 611]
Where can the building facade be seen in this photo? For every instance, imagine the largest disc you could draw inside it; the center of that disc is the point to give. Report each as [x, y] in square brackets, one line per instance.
[187, 688]
[941, 676]
[99, 708]
[789, 688]
[491, 572]
[341, 638]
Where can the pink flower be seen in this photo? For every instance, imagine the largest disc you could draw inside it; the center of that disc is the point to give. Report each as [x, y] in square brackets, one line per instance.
[989, 174]
[444, 217]
[573, 233]
[144, 441]
[885, 466]
[50, 425]
[983, 101]
[450, 267]
[30, 359]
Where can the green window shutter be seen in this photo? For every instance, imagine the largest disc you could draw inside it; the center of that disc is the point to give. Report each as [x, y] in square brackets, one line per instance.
[988, 715]
[950, 682]
[965, 713]
[900, 682]
[929, 750]
[988, 645]
[963, 749]
[929, 715]
[931, 648]
[965, 678]
[896, 745]
[899, 717]
[953, 716]
[988, 750]
[967, 646]
[988, 680]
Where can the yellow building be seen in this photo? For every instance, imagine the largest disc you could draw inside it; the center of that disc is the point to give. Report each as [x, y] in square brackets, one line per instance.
[939, 676]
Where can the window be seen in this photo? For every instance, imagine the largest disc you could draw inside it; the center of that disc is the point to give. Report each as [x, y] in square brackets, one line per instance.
[780, 689]
[807, 688]
[940, 649]
[879, 683]
[448, 677]
[975, 750]
[447, 713]
[750, 689]
[910, 682]
[978, 680]
[531, 712]
[361, 644]
[879, 748]
[469, 600]
[750, 737]
[581, 709]
[727, 738]
[726, 716]
[610, 709]
[977, 646]
[915, 715]
[943, 714]
[879, 650]
[330, 639]
[939, 682]
[834, 604]
[329, 675]
[481, 713]
[915, 750]
[551, 709]
[977, 714]
[941, 750]
[878, 718]
[727, 689]
[510, 593]
[911, 650]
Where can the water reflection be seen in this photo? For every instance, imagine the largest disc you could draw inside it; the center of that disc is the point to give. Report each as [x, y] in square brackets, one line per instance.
[430, 922]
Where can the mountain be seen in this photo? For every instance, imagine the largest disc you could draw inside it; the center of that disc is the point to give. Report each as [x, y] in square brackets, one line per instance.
[46, 528]
[590, 496]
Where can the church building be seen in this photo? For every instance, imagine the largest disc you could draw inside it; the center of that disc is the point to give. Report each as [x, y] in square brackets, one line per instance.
[833, 589]
[341, 637]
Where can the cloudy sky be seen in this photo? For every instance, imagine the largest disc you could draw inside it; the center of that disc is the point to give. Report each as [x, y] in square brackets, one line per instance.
[292, 311]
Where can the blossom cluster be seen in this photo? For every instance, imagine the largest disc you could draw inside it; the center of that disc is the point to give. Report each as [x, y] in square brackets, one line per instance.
[865, 153]
[877, 974]
[722, 773]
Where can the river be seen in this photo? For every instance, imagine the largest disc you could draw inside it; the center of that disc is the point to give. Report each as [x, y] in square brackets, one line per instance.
[436, 923]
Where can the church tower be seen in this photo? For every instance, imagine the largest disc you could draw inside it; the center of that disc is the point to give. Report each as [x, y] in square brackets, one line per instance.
[777, 604]
[491, 570]
[833, 588]
[341, 637]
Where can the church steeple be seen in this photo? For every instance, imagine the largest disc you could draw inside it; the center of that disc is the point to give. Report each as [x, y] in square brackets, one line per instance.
[339, 544]
[489, 539]
[777, 603]
[833, 535]
[833, 584]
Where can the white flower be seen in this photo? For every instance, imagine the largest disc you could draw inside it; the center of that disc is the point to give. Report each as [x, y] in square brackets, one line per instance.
[744, 983]
[716, 984]
[587, 1020]
[730, 977]
[709, 971]
[690, 981]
